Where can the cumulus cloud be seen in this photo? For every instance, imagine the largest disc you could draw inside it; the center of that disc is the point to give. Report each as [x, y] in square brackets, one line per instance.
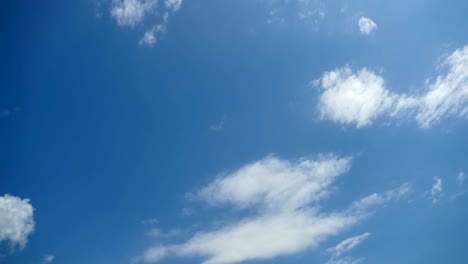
[360, 97]
[131, 12]
[48, 259]
[350, 97]
[285, 216]
[16, 220]
[366, 26]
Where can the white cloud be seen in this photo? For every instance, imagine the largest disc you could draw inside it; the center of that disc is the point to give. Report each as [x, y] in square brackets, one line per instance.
[436, 186]
[354, 97]
[48, 259]
[131, 12]
[379, 199]
[367, 26]
[149, 38]
[347, 244]
[173, 5]
[286, 217]
[461, 178]
[448, 95]
[276, 184]
[361, 97]
[16, 220]
[153, 254]
[436, 189]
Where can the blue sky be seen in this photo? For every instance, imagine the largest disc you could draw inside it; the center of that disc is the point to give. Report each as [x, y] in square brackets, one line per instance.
[222, 132]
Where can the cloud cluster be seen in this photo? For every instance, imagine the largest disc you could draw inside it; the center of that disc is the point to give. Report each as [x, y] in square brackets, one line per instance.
[130, 13]
[16, 220]
[366, 26]
[281, 204]
[359, 98]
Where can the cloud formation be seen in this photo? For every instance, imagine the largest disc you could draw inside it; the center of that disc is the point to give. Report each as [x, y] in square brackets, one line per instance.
[359, 98]
[285, 216]
[131, 12]
[366, 26]
[16, 220]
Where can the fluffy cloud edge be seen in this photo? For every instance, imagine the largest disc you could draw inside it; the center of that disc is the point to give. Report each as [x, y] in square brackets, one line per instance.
[361, 97]
[366, 26]
[16, 220]
[130, 13]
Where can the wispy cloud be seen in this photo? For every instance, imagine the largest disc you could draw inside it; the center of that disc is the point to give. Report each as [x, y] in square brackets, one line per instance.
[150, 221]
[436, 189]
[150, 36]
[48, 259]
[173, 5]
[461, 177]
[218, 126]
[286, 216]
[346, 260]
[359, 98]
[347, 245]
